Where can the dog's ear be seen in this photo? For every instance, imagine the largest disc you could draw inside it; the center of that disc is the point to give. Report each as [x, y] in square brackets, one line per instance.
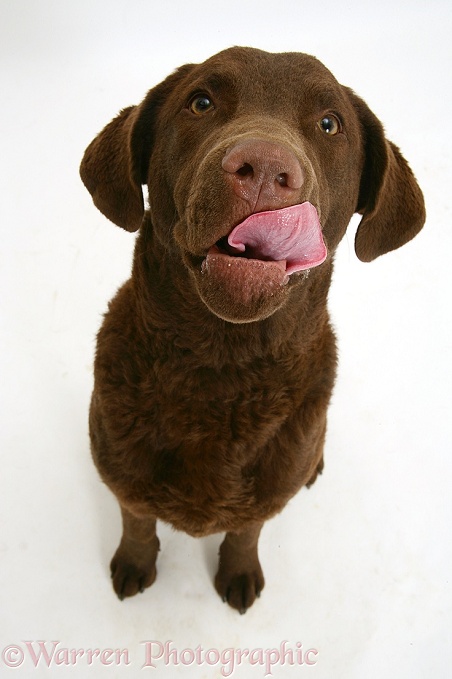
[116, 163]
[390, 199]
[108, 173]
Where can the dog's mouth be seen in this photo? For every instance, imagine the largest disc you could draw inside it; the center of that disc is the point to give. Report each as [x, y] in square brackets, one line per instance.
[285, 241]
[244, 275]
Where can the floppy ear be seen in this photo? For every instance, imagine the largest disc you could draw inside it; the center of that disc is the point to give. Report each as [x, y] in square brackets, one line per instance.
[116, 163]
[108, 173]
[390, 199]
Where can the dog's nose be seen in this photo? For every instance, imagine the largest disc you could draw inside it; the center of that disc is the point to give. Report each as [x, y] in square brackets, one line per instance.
[265, 174]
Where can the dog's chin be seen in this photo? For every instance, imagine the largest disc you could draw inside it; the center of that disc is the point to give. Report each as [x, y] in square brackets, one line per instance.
[241, 290]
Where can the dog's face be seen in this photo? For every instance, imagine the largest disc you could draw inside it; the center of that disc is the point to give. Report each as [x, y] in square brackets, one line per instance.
[254, 163]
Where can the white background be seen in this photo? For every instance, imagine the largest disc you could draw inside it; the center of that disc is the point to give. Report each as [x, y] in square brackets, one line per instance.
[359, 567]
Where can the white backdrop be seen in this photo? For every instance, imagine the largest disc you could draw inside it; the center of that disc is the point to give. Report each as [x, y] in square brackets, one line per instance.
[358, 568]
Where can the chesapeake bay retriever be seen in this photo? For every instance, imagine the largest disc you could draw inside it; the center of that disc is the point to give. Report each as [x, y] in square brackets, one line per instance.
[216, 360]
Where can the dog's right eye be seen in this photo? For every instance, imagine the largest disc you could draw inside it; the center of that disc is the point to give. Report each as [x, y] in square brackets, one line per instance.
[200, 103]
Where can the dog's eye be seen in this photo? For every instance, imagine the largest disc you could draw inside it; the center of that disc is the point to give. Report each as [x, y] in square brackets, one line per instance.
[200, 103]
[330, 125]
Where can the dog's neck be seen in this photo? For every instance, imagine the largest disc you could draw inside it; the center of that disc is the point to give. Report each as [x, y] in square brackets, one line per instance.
[172, 313]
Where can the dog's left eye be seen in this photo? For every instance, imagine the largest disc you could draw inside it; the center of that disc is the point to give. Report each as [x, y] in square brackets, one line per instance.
[330, 125]
[201, 103]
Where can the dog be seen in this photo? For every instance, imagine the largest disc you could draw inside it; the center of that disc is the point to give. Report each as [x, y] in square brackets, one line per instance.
[216, 360]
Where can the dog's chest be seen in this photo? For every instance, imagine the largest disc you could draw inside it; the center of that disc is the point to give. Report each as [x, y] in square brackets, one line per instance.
[197, 408]
[203, 432]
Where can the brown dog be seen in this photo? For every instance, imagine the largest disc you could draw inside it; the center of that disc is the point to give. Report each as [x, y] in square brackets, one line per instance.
[216, 360]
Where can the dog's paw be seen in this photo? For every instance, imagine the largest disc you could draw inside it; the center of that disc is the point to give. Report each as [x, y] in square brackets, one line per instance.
[240, 589]
[129, 578]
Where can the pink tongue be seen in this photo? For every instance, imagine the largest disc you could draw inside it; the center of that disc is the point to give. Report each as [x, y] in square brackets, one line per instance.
[292, 234]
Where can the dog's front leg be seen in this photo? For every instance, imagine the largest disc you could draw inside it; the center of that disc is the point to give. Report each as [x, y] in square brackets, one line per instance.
[240, 579]
[133, 565]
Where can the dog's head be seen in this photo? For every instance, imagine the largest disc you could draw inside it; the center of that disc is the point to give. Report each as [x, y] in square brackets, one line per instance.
[255, 164]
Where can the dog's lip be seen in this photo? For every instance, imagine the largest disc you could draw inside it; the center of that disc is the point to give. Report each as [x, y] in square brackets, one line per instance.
[290, 238]
[224, 249]
[216, 254]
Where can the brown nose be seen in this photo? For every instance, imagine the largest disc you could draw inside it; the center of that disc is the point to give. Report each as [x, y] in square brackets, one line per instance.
[265, 174]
